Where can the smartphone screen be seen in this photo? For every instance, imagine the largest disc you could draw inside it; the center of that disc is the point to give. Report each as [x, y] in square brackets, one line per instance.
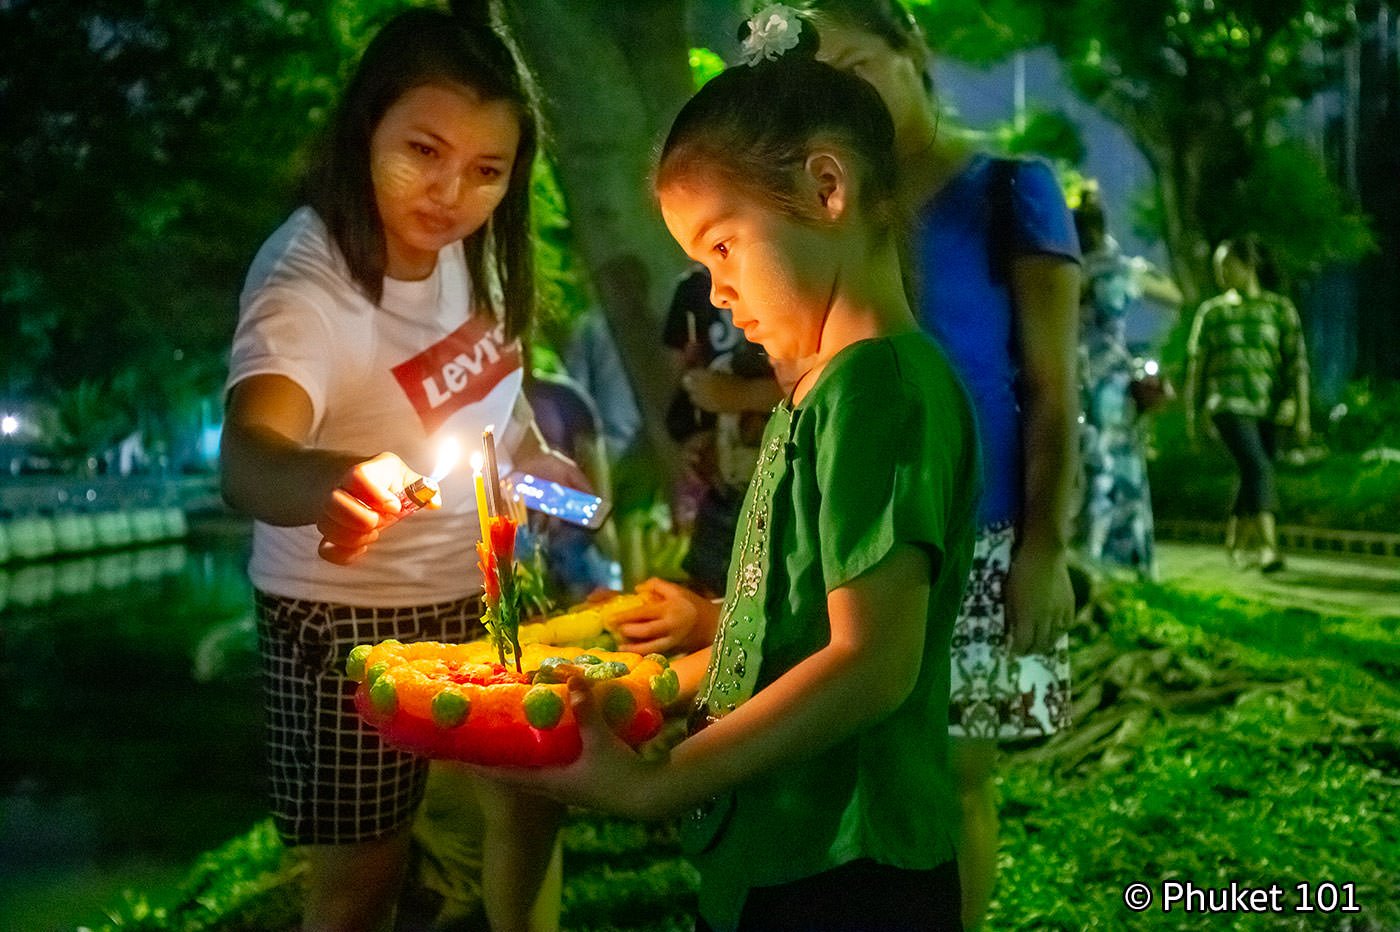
[558, 501]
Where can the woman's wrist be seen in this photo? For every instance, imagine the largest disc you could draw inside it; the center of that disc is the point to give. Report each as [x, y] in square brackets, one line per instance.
[1042, 544]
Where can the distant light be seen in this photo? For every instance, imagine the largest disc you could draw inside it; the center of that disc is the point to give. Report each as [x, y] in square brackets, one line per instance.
[1150, 367]
[9, 424]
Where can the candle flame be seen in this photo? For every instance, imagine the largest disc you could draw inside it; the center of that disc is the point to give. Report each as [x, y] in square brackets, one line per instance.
[476, 462]
[448, 454]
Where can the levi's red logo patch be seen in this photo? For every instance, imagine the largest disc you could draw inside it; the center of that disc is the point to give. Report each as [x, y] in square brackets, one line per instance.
[458, 370]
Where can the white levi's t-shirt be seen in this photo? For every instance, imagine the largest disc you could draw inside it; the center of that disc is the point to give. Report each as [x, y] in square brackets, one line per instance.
[403, 376]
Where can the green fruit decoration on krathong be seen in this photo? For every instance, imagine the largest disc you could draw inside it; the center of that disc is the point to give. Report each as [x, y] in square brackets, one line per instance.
[450, 708]
[383, 696]
[543, 707]
[355, 663]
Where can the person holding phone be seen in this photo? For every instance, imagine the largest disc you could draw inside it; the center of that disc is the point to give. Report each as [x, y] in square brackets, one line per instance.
[368, 323]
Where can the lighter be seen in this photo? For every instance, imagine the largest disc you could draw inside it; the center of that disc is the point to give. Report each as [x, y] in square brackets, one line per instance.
[413, 497]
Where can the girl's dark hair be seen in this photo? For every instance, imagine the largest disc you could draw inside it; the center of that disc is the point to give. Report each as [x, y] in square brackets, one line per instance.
[888, 19]
[416, 48]
[753, 127]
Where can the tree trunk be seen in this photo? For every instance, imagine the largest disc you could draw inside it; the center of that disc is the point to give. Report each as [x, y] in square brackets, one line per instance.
[611, 76]
[1175, 159]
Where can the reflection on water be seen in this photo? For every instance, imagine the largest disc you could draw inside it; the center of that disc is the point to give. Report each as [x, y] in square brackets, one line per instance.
[40, 583]
[131, 738]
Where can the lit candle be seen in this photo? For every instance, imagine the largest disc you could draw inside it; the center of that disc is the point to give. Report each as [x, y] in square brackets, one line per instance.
[448, 453]
[493, 477]
[479, 481]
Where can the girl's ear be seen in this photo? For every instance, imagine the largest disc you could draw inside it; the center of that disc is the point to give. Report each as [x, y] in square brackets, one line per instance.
[830, 182]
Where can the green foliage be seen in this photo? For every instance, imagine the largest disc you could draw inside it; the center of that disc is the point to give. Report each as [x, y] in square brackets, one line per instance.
[982, 32]
[562, 281]
[704, 65]
[1194, 59]
[1201, 87]
[149, 148]
[1368, 418]
[1288, 201]
[246, 885]
[89, 419]
[1349, 488]
[1050, 133]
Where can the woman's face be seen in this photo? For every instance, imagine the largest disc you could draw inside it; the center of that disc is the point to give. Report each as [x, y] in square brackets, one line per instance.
[894, 76]
[775, 275]
[440, 160]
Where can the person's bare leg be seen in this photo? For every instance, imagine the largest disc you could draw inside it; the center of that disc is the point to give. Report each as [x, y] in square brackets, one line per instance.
[354, 888]
[974, 762]
[1232, 540]
[522, 860]
[1270, 559]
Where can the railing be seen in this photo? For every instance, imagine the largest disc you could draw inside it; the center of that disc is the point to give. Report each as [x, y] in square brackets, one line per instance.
[1295, 537]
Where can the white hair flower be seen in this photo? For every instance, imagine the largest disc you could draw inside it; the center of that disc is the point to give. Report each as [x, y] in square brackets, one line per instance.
[772, 31]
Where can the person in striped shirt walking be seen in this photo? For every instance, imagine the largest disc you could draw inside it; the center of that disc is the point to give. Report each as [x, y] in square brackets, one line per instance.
[1247, 372]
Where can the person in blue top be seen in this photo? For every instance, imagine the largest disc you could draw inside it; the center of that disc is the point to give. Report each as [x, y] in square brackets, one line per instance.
[816, 767]
[996, 270]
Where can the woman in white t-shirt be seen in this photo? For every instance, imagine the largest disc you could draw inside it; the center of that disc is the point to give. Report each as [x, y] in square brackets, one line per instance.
[386, 316]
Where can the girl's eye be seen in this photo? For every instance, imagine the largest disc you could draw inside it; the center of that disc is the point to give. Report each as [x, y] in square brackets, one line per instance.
[422, 149]
[722, 249]
[490, 172]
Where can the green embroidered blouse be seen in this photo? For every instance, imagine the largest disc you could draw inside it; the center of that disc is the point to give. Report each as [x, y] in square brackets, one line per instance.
[881, 451]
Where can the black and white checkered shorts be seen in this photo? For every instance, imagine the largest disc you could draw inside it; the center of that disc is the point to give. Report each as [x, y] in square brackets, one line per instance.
[334, 782]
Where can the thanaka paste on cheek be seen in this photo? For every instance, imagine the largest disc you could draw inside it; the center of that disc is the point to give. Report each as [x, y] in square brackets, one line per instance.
[395, 174]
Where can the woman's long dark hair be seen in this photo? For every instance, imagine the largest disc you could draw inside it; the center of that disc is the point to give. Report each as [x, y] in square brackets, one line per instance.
[415, 48]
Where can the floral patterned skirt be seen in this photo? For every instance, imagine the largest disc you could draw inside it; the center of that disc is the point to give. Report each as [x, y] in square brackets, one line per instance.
[996, 694]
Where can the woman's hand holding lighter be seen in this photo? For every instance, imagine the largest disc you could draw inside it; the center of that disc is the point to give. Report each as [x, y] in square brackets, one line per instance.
[371, 496]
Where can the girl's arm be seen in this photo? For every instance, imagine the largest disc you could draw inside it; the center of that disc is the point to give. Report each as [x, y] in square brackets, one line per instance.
[269, 472]
[1039, 599]
[866, 671]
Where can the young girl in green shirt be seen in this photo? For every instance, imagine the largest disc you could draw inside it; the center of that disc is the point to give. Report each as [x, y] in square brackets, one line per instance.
[816, 773]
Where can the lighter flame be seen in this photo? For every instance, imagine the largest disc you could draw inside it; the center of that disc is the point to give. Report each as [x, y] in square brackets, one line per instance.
[448, 454]
[477, 463]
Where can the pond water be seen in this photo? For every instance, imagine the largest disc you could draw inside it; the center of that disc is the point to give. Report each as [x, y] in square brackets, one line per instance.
[130, 739]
